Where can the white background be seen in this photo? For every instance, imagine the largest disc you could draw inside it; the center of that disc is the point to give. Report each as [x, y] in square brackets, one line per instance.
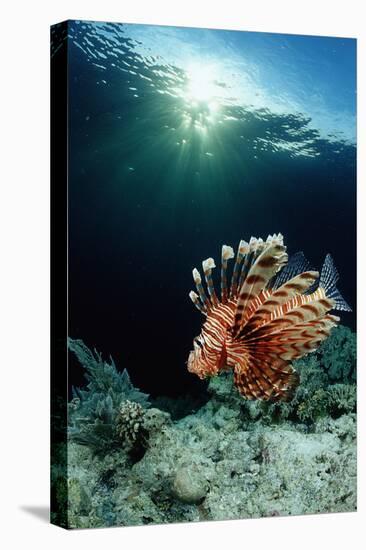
[24, 273]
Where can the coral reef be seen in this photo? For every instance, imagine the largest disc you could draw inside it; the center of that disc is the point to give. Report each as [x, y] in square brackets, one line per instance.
[230, 458]
[195, 471]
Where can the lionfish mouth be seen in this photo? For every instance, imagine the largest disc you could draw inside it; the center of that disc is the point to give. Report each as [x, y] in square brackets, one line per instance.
[274, 310]
[193, 363]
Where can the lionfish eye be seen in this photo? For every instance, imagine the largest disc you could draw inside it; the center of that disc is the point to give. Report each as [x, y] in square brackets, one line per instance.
[197, 341]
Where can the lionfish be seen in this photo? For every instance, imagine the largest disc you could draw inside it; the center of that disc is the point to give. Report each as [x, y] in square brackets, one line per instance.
[274, 311]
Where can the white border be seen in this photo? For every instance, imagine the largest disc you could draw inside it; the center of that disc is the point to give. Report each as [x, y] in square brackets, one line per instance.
[24, 271]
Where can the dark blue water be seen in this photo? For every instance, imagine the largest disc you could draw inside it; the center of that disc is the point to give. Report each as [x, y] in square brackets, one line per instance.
[182, 140]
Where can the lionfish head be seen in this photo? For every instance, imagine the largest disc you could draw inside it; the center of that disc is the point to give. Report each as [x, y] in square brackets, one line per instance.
[196, 362]
[208, 356]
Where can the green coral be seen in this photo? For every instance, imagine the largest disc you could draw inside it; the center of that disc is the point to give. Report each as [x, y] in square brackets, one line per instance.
[93, 411]
[314, 407]
[338, 399]
[342, 398]
[337, 355]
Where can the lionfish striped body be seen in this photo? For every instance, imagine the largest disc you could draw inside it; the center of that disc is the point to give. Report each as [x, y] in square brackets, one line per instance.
[273, 312]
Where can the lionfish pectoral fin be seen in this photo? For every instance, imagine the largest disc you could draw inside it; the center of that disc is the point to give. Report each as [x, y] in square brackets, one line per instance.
[328, 279]
[268, 380]
[285, 293]
[269, 373]
[222, 366]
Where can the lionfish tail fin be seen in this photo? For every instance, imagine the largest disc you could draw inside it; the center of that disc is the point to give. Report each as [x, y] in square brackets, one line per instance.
[328, 279]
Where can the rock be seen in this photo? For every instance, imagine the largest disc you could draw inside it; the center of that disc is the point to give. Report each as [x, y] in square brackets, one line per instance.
[189, 485]
[155, 419]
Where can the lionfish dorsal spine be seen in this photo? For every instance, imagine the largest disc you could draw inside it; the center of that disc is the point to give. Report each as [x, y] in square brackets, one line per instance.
[254, 245]
[227, 253]
[272, 257]
[208, 265]
[243, 250]
[205, 303]
[197, 302]
[248, 260]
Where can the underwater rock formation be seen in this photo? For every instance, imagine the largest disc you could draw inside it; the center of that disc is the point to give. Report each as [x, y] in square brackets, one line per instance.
[230, 458]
